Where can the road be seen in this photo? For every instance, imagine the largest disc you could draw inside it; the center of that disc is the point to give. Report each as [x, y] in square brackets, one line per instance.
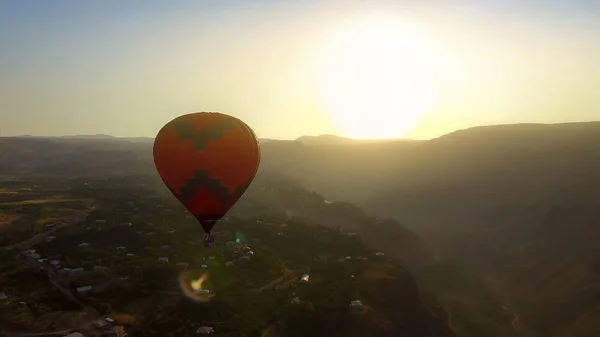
[290, 275]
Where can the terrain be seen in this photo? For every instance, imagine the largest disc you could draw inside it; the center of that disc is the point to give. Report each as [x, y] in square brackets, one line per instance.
[138, 252]
[483, 219]
[519, 204]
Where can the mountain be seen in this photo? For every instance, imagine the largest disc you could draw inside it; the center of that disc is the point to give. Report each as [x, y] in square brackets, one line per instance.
[516, 201]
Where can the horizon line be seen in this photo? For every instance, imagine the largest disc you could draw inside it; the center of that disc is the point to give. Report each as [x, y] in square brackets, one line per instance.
[99, 135]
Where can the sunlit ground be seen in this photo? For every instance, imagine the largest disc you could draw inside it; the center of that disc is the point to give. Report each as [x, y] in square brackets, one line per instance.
[378, 78]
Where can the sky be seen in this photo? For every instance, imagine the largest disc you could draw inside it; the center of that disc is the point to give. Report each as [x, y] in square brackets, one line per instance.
[355, 68]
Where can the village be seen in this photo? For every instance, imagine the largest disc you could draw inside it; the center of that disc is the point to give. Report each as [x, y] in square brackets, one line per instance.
[126, 265]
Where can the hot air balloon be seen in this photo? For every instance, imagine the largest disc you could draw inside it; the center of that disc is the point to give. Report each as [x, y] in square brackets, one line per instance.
[207, 160]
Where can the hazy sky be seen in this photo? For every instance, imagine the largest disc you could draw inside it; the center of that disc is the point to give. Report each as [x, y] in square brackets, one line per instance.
[127, 67]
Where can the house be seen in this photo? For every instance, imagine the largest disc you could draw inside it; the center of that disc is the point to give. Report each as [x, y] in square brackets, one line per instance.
[204, 266]
[356, 304]
[83, 244]
[83, 289]
[55, 263]
[305, 277]
[163, 259]
[229, 263]
[172, 231]
[129, 254]
[50, 238]
[348, 257]
[75, 334]
[205, 330]
[109, 320]
[3, 296]
[121, 248]
[379, 254]
[295, 300]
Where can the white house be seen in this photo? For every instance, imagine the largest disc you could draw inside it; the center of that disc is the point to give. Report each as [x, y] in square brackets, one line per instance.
[356, 304]
[205, 330]
[75, 334]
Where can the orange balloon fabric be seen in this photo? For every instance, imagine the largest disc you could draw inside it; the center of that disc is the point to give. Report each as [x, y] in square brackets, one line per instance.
[207, 160]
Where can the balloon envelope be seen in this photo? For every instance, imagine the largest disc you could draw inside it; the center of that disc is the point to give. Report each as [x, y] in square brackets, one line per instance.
[207, 160]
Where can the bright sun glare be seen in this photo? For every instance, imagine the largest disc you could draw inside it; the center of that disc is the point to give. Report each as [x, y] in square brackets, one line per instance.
[378, 79]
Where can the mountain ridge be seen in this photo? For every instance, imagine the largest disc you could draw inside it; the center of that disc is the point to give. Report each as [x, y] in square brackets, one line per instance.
[335, 138]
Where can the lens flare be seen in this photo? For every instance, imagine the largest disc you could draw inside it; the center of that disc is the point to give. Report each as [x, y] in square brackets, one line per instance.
[192, 286]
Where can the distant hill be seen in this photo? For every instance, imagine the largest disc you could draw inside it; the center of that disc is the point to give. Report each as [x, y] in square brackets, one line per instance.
[92, 137]
[337, 140]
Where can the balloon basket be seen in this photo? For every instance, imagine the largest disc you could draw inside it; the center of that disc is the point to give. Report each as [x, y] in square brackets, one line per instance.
[209, 241]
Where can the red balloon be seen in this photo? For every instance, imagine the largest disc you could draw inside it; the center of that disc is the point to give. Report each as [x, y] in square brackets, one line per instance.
[207, 160]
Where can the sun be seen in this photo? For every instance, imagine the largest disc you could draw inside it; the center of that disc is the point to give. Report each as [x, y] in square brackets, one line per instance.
[377, 79]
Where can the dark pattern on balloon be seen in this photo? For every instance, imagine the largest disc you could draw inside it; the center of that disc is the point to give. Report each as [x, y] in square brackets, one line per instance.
[201, 139]
[201, 179]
